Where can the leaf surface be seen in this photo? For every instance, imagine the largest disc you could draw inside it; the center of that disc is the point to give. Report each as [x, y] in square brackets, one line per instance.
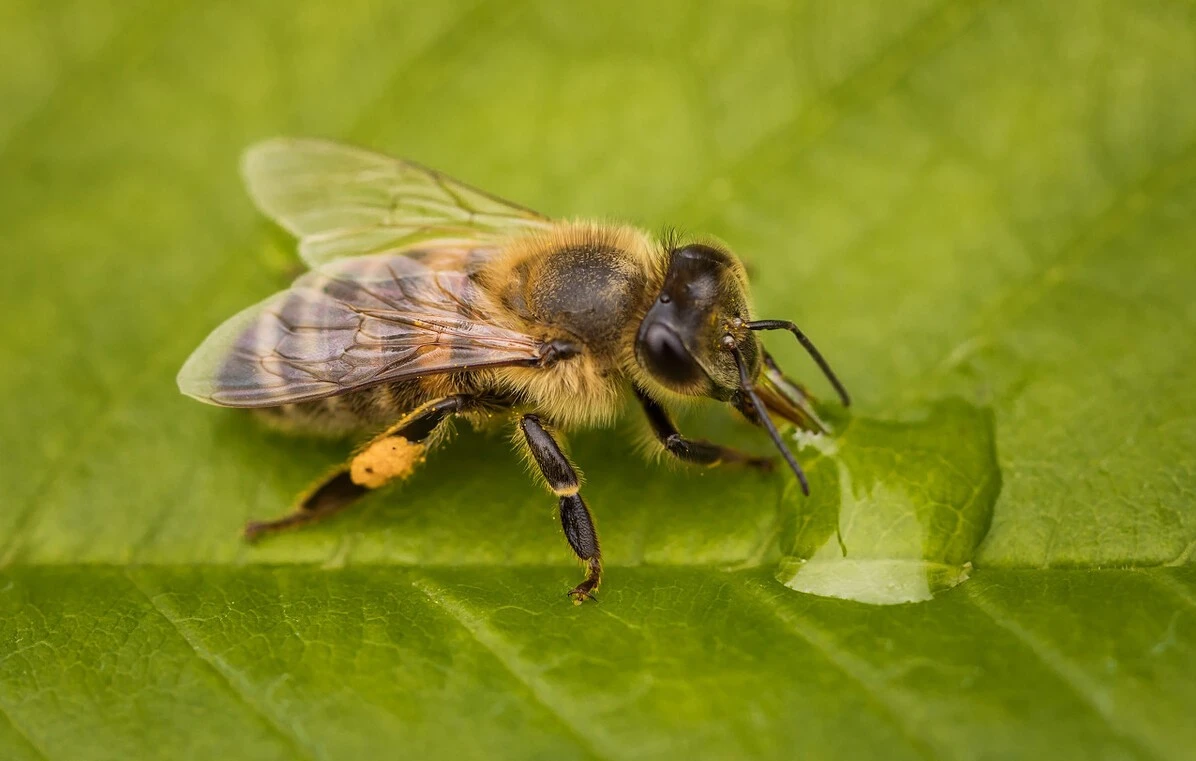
[983, 212]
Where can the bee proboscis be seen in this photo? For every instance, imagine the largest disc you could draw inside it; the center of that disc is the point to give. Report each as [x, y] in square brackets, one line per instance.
[427, 299]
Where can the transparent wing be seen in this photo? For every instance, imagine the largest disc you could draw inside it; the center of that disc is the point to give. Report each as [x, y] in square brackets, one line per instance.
[349, 324]
[345, 201]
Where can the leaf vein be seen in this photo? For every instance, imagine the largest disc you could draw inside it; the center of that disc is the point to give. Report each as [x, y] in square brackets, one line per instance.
[852, 667]
[23, 734]
[868, 82]
[1165, 580]
[1085, 688]
[1131, 205]
[226, 674]
[440, 598]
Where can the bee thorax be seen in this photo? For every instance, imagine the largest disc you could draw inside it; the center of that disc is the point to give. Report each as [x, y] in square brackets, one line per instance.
[585, 282]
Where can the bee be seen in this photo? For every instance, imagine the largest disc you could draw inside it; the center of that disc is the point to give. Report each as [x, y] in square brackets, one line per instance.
[427, 299]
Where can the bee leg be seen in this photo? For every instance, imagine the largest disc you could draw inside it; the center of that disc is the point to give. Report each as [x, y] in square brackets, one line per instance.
[394, 453]
[696, 451]
[329, 496]
[575, 516]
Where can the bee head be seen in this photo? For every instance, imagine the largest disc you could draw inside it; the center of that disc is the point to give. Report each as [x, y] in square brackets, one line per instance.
[696, 339]
[680, 340]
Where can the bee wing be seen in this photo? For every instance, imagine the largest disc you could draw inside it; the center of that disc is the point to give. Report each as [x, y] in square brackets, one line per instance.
[349, 324]
[345, 201]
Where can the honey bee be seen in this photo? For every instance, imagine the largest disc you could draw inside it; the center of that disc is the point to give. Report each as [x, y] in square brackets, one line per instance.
[427, 299]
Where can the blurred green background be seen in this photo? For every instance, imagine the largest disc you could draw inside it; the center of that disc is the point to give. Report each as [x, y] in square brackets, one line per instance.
[984, 213]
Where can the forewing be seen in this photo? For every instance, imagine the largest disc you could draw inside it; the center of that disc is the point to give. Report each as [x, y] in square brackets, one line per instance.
[345, 201]
[350, 324]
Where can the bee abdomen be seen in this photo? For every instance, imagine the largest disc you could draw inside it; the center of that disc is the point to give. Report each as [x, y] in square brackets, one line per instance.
[358, 411]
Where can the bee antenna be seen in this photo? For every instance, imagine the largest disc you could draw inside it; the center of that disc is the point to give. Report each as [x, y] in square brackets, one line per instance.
[745, 385]
[810, 349]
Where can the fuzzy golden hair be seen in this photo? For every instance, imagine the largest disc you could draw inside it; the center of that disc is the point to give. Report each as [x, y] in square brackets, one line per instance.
[586, 391]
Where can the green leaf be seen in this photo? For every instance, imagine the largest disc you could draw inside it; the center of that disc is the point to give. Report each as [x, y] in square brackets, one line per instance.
[982, 212]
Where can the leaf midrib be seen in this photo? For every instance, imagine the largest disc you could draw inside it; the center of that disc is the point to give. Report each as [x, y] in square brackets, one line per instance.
[748, 587]
[722, 567]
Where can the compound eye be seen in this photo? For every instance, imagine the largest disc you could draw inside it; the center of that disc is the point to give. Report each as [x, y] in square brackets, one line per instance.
[665, 356]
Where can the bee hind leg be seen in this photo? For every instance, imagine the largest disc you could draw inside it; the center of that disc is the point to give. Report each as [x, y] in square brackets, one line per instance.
[576, 520]
[330, 496]
[695, 451]
[393, 454]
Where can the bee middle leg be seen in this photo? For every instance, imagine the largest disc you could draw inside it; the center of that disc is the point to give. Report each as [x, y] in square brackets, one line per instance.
[394, 453]
[696, 451]
[575, 516]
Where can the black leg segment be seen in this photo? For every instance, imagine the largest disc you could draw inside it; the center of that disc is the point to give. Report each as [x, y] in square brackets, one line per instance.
[393, 454]
[417, 426]
[696, 451]
[557, 470]
[576, 520]
[333, 494]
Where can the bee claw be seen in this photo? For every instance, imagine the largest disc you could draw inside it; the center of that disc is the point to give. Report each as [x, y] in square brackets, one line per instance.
[253, 531]
[582, 592]
[762, 464]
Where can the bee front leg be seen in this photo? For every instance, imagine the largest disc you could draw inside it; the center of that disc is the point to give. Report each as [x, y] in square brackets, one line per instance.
[395, 453]
[695, 451]
[575, 516]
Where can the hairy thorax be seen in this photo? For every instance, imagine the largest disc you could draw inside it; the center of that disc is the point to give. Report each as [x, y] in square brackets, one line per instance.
[586, 284]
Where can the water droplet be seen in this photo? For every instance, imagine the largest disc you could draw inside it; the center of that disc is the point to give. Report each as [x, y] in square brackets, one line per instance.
[897, 508]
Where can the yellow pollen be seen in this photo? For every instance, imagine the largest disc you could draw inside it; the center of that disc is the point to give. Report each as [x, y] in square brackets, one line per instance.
[384, 460]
